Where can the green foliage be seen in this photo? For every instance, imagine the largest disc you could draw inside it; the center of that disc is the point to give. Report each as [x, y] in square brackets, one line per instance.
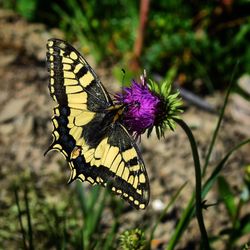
[246, 246]
[234, 205]
[103, 33]
[133, 240]
[189, 211]
[92, 207]
[227, 196]
[203, 39]
[26, 8]
[73, 222]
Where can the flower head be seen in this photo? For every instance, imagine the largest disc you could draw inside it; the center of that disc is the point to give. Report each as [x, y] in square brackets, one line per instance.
[148, 106]
[142, 107]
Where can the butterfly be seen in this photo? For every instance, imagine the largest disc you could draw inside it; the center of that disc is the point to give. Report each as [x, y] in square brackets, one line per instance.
[88, 128]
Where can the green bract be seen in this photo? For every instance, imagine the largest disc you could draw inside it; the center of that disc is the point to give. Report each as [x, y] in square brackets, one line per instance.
[171, 102]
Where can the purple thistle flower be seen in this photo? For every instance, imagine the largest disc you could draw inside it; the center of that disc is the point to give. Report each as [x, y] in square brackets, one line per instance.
[144, 108]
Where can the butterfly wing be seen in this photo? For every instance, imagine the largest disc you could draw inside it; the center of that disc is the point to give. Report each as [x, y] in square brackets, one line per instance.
[97, 149]
[79, 93]
[72, 80]
[115, 162]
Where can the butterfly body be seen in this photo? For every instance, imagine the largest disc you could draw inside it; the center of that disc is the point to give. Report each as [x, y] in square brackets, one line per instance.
[88, 128]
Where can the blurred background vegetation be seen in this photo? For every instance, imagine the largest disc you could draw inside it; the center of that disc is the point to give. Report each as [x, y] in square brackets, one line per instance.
[202, 40]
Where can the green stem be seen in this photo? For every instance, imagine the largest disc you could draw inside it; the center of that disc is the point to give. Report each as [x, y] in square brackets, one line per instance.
[20, 219]
[198, 185]
[30, 231]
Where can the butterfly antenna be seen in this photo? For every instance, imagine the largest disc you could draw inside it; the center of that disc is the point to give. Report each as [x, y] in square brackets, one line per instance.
[123, 79]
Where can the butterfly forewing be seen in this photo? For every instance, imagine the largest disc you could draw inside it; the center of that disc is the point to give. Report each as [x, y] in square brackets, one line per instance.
[97, 147]
[72, 80]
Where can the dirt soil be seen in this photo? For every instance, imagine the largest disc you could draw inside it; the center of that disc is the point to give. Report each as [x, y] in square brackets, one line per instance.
[25, 133]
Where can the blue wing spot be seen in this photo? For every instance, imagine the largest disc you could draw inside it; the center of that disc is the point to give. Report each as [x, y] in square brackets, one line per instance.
[79, 160]
[62, 121]
[71, 144]
[64, 138]
[64, 111]
[63, 130]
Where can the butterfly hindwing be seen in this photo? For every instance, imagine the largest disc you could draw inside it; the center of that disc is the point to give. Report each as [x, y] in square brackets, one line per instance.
[115, 162]
[97, 147]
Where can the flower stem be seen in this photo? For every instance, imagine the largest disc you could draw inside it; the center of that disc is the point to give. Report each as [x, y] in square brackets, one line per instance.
[198, 184]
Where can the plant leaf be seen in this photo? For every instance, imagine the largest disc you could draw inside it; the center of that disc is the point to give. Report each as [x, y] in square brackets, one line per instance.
[227, 196]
